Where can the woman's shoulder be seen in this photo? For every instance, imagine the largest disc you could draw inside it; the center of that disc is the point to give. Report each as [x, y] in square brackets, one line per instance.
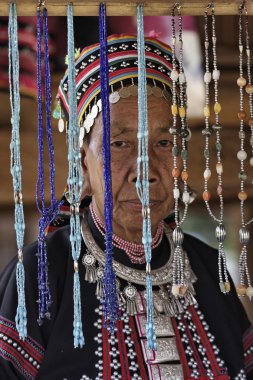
[57, 248]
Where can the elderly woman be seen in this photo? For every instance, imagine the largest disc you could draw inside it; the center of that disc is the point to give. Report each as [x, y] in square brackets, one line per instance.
[208, 338]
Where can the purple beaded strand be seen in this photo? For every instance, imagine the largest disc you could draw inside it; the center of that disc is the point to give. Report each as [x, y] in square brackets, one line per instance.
[109, 298]
[47, 213]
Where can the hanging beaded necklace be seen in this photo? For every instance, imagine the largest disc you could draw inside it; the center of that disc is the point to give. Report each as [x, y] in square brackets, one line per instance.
[244, 234]
[74, 181]
[177, 75]
[21, 315]
[47, 213]
[135, 252]
[220, 231]
[109, 298]
[142, 183]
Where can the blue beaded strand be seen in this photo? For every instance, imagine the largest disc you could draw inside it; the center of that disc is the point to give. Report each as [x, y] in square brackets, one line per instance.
[47, 213]
[75, 182]
[21, 313]
[142, 183]
[109, 298]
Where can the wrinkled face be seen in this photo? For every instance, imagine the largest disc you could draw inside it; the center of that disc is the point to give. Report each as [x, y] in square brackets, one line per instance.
[127, 216]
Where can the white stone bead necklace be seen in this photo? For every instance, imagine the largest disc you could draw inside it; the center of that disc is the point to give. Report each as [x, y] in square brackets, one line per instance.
[220, 231]
[244, 234]
[182, 133]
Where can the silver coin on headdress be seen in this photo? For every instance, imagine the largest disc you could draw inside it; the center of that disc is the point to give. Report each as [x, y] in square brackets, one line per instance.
[88, 123]
[81, 133]
[94, 111]
[124, 92]
[157, 92]
[133, 90]
[99, 104]
[114, 97]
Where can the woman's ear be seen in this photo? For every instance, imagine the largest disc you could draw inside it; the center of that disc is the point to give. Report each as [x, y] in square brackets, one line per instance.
[86, 178]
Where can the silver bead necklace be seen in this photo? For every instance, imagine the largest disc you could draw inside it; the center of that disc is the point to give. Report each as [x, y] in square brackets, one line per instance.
[220, 231]
[177, 76]
[244, 235]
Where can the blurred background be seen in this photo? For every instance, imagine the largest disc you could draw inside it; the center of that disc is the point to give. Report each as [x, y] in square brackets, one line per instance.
[86, 32]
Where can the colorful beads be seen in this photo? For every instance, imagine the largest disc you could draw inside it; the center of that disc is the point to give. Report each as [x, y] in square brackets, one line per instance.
[184, 175]
[219, 168]
[181, 78]
[217, 107]
[227, 286]
[241, 82]
[242, 195]
[175, 151]
[249, 292]
[176, 193]
[250, 122]
[206, 195]
[241, 155]
[206, 111]
[207, 174]
[182, 290]
[241, 290]
[207, 77]
[241, 135]
[186, 197]
[222, 287]
[251, 161]
[242, 175]
[175, 173]
[241, 115]
[216, 74]
[174, 109]
[182, 112]
[206, 153]
[184, 154]
[175, 290]
[174, 75]
[218, 146]
[61, 125]
[249, 88]
[219, 190]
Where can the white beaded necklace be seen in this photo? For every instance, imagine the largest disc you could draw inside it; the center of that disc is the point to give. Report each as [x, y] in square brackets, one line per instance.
[220, 231]
[177, 75]
[244, 235]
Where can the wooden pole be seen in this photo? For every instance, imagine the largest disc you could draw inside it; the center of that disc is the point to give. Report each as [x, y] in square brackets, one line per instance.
[124, 8]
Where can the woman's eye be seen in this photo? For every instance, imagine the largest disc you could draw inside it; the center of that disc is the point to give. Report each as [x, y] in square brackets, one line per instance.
[165, 143]
[119, 144]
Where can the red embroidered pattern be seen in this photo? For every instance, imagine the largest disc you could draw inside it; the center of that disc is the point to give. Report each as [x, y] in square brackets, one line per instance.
[26, 356]
[248, 349]
[195, 349]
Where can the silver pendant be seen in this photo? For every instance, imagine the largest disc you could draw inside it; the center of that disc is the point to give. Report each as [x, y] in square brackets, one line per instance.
[130, 293]
[89, 262]
[114, 97]
[99, 289]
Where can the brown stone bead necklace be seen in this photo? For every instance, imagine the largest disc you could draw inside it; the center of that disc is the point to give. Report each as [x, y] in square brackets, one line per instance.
[220, 231]
[245, 85]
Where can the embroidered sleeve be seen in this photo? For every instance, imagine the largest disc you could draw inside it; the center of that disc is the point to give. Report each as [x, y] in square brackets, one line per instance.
[26, 356]
[248, 350]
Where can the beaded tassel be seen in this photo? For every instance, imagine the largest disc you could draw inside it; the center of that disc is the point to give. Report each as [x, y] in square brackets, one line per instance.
[142, 183]
[75, 182]
[244, 234]
[21, 314]
[109, 298]
[179, 287]
[47, 213]
[220, 231]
